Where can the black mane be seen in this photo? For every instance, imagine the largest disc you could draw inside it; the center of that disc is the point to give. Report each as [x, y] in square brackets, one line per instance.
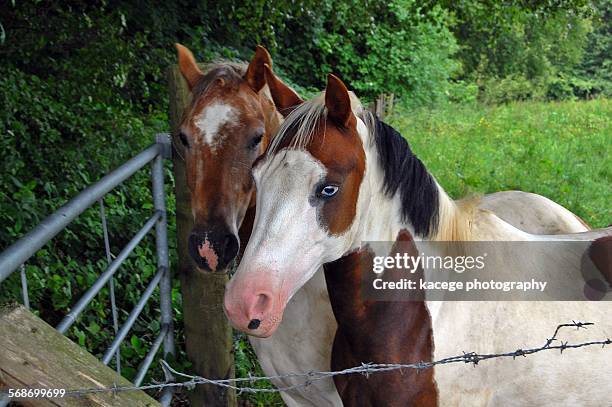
[403, 171]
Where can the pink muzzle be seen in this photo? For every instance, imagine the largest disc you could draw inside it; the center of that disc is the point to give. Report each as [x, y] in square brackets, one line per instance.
[206, 251]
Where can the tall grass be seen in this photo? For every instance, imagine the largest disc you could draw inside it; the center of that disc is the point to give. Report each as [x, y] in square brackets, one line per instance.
[562, 150]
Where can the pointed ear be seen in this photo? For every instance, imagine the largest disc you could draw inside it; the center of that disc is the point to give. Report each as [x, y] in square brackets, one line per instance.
[338, 103]
[285, 98]
[188, 66]
[255, 72]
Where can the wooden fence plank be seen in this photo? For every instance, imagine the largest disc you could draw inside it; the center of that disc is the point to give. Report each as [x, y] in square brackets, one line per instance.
[34, 355]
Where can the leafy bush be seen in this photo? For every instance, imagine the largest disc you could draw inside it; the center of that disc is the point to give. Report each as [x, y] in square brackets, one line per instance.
[523, 44]
[510, 88]
[462, 92]
[69, 118]
[50, 134]
[386, 47]
[595, 70]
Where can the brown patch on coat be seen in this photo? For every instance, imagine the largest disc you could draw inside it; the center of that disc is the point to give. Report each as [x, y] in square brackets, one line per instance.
[600, 253]
[342, 154]
[379, 332]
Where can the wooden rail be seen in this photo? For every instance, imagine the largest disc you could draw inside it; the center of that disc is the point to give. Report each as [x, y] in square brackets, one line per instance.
[34, 355]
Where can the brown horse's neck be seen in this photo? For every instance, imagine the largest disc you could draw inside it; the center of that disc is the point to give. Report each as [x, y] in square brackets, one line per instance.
[378, 332]
[272, 120]
[272, 117]
[244, 233]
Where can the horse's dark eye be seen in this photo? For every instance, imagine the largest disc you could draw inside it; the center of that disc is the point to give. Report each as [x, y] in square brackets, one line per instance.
[183, 138]
[328, 191]
[255, 141]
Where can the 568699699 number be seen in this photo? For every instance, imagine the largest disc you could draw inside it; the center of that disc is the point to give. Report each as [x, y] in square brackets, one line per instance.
[35, 393]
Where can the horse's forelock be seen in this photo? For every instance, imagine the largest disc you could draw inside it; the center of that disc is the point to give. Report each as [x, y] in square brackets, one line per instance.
[303, 123]
[231, 72]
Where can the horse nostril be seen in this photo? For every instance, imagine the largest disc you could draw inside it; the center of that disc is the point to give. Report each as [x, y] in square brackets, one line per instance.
[228, 241]
[254, 324]
[230, 248]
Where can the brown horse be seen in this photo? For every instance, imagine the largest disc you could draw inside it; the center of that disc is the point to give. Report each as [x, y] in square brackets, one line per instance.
[226, 126]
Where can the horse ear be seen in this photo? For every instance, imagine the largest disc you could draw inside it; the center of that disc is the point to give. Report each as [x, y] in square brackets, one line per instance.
[338, 103]
[285, 99]
[188, 66]
[255, 72]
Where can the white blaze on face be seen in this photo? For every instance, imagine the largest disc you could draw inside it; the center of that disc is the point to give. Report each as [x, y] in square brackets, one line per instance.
[211, 120]
[287, 237]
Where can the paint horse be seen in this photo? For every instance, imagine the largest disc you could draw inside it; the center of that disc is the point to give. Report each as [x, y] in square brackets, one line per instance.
[343, 183]
[226, 126]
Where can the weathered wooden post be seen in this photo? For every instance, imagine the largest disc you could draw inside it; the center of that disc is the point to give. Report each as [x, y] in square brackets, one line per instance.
[377, 106]
[382, 105]
[208, 334]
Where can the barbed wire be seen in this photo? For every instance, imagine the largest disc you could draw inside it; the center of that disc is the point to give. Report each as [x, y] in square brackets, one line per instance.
[364, 369]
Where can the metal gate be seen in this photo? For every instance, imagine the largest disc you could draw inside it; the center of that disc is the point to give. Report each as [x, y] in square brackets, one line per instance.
[14, 257]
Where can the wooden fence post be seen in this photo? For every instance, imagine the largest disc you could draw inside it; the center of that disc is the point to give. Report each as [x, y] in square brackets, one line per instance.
[382, 105]
[208, 334]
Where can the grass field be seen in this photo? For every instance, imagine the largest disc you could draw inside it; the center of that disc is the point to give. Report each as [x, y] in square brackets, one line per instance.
[560, 150]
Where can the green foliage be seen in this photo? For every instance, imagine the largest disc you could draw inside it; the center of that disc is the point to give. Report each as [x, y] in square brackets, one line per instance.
[246, 366]
[522, 44]
[462, 92]
[410, 55]
[377, 47]
[561, 150]
[68, 118]
[595, 69]
[508, 89]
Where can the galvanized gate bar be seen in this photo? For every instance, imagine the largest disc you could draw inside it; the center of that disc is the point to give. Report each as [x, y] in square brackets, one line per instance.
[131, 319]
[24, 287]
[4, 399]
[19, 252]
[161, 241]
[104, 277]
[111, 283]
[144, 366]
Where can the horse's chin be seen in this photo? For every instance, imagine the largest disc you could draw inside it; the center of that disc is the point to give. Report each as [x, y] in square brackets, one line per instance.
[265, 330]
[263, 335]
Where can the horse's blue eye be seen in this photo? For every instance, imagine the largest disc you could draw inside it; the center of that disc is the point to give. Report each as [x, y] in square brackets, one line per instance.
[328, 191]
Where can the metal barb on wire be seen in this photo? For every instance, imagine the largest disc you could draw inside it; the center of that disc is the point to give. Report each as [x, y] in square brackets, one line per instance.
[310, 377]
